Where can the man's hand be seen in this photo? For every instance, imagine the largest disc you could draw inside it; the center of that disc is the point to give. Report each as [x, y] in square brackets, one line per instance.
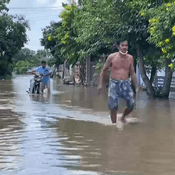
[33, 72]
[100, 90]
[27, 73]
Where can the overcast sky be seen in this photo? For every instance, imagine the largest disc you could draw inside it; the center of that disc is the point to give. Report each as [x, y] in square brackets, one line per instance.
[39, 13]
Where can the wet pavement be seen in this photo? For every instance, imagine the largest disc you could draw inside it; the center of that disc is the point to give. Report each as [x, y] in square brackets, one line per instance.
[70, 133]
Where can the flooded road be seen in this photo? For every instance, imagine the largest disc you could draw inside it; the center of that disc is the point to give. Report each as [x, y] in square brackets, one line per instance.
[70, 133]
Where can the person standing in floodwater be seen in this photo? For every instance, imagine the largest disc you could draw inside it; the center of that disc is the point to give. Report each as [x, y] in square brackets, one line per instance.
[45, 72]
[121, 64]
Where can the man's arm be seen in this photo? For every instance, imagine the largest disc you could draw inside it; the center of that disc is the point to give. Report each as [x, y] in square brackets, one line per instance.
[32, 72]
[105, 70]
[133, 75]
[35, 71]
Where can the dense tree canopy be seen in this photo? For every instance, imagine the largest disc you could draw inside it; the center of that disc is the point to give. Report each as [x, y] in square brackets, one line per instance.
[51, 42]
[3, 4]
[12, 37]
[93, 27]
[27, 59]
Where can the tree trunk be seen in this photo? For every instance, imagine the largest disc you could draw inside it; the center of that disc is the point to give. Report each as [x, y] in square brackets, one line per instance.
[82, 73]
[145, 78]
[159, 2]
[167, 81]
[153, 73]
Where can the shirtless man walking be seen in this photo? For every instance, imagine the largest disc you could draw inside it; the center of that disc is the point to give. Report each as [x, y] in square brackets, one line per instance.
[121, 64]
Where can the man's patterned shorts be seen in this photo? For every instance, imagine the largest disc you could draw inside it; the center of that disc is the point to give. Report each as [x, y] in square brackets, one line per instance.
[120, 89]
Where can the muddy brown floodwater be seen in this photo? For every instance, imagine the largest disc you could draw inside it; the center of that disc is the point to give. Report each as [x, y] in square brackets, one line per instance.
[70, 133]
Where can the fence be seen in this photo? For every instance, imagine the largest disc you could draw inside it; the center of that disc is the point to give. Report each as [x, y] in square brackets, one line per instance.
[159, 81]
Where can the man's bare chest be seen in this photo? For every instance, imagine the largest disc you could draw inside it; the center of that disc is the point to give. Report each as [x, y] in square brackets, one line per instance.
[118, 63]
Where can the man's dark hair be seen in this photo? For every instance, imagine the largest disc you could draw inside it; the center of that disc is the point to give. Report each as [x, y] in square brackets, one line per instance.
[117, 43]
[121, 41]
[43, 62]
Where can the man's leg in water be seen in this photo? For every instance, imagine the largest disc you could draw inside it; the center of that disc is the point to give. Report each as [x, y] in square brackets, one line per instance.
[125, 113]
[128, 96]
[113, 106]
[42, 87]
[113, 115]
[113, 99]
[48, 87]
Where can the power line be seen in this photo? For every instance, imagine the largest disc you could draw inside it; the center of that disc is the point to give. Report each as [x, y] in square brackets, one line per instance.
[44, 19]
[35, 19]
[37, 7]
[48, 16]
[33, 8]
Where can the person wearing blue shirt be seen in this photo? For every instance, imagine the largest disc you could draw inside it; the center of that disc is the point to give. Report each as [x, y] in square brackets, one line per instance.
[45, 72]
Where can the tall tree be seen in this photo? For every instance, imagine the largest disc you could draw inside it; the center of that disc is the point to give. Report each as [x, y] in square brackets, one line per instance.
[50, 41]
[12, 39]
[25, 54]
[3, 5]
[25, 58]
[92, 27]
[162, 35]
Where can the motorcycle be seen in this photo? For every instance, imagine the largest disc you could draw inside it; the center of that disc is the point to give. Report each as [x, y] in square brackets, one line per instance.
[35, 84]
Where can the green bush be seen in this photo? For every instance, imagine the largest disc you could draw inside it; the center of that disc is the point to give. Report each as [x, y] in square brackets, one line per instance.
[22, 67]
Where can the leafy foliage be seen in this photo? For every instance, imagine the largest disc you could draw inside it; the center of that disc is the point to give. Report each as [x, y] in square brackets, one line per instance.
[21, 67]
[12, 39]
[26, 59]
[3, 5]
[51, 42]
[93, 27]
[162, 29]
[24, 54]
